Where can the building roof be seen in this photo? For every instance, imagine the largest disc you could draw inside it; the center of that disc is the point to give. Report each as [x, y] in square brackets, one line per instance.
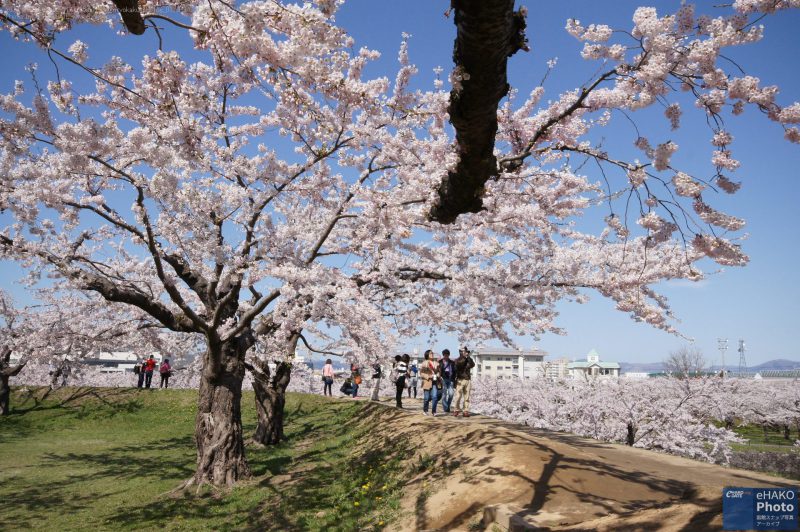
[504, 351]
[584, 364]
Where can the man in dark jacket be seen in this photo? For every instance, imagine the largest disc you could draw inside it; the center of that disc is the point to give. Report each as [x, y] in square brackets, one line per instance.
[464, 365]
[447, 369]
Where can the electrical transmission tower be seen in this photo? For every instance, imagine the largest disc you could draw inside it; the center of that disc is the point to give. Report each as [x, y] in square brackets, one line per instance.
[742, 361]
[722, 345]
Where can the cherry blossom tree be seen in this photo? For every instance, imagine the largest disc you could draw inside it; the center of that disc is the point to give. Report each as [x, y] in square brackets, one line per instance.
[49, 339]
[259, 188]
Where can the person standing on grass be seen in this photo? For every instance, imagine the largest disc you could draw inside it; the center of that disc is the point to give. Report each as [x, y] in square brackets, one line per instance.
[327, 378]
[464, 365]
[400, 373]
[165, 370]
[447, 369]
[149, 367]
[142, 368]
[413, 371]
[429, 374]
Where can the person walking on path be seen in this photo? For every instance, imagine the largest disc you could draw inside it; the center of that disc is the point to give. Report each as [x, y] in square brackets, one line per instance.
[149, 367]
[464, 365]
[400, 372]
[377, 375]
[413, 371]
[447, 369]
[429, 374]
[142, 367]
[165, 370]
[327, 378]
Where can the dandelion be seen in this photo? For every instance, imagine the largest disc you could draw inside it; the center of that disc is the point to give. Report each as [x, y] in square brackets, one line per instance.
[356, 503]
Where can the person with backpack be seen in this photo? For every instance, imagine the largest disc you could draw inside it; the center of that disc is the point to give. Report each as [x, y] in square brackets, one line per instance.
[327, 378]
[464, 365]
[400, 371]
[413, 372]
[165, 370]
[447, 369]
[429, 373]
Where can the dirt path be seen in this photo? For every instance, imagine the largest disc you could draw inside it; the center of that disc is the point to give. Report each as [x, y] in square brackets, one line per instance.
[481, 470]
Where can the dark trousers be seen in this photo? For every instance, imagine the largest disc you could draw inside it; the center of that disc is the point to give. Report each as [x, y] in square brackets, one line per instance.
[141, 379]
[148, 378]
[164, 381]
[328, 388]
[400, 385]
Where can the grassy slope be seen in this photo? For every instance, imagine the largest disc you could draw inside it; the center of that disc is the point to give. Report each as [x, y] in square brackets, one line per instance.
[106, 459]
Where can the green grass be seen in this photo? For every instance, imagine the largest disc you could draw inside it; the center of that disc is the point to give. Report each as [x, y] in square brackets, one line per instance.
[755, 434]
[106, 459]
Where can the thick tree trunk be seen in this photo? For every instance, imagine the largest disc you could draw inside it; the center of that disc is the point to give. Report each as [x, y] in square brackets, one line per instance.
[630, 439]
[218, 428]
[131, 17]
[488, 32]
[5, 395]
[786, 432]
[6, 372]
[270, 393]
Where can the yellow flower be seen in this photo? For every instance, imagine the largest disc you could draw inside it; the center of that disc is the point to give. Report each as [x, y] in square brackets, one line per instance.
[380, 523]
[356, 503]
[365, 487]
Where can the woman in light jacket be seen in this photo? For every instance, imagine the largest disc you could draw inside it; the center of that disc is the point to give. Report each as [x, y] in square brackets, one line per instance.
[429, 372]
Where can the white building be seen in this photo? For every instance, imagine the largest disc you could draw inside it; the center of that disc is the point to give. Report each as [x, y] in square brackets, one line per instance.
[504, 363]
[592, 367]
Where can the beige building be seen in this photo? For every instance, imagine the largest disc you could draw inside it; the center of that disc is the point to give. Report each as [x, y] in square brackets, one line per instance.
[502, 363]
[556, 369]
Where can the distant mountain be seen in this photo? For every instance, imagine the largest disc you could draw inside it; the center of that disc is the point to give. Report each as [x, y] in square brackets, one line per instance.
[644, 367]
[777, 364]
[656, 367]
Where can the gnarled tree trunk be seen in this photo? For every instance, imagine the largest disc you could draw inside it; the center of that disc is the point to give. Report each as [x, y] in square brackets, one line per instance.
[221, 457]
[487, 34]
[6, 372]
[270, 400]
[630, 437]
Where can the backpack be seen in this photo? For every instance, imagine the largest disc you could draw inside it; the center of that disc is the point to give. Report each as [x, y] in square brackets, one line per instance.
[136, 370]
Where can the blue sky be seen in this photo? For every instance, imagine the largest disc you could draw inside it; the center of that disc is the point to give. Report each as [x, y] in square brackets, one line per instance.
[759, 303]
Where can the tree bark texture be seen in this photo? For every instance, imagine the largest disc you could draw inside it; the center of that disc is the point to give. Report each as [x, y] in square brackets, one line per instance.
[270, 393]
[630, 437]
[131, 17]
[488, 32]
[5, 395]
[221, 457]
[6, 372]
